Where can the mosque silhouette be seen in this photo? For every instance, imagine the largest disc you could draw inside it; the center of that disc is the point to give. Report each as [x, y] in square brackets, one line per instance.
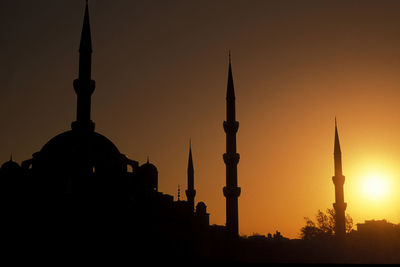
[80, 189]
[79, 196]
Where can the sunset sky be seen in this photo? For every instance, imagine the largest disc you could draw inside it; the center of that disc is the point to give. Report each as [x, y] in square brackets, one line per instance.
[161, 74]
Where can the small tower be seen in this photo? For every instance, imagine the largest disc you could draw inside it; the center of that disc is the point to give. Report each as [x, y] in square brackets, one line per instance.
[84, 86]
[190, 192]
[338, 181]
[231, 158]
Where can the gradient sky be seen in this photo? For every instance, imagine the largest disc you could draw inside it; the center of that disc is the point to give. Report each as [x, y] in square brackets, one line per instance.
[161, 73]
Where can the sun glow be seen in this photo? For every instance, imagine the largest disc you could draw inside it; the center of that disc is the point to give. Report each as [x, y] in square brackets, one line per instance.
[372, 189]
[376, 186]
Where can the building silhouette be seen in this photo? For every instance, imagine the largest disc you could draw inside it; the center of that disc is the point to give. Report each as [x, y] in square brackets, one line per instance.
[80, 190]
[231, 158]
[338, 181]
[373, 228]
[80, 197]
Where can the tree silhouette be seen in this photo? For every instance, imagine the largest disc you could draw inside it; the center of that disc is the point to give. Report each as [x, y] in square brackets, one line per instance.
[324, 227]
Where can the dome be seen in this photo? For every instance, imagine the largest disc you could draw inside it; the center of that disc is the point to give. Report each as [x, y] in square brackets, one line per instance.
[67, 151]
[10, 166]
[64, 141]
[148, 168]
[149, 175]
[201, 208]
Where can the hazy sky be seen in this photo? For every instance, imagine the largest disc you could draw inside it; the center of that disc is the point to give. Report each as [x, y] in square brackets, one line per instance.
[161, 72]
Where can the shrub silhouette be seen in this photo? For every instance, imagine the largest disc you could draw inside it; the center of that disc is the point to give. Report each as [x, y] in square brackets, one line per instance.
[324, 227]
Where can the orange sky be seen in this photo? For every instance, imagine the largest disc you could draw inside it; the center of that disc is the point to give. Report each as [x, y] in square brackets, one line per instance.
[161, 72]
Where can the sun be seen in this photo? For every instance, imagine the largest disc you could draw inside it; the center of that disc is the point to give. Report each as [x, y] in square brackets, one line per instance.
[375, 186]
[372, 190]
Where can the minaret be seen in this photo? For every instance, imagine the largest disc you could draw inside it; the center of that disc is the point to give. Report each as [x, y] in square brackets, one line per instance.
[84, 85]
[190, 192]
[338, 180]
[231, 158]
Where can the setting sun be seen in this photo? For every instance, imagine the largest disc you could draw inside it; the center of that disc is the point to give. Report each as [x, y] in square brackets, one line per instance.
[375, 186]
[372, 188]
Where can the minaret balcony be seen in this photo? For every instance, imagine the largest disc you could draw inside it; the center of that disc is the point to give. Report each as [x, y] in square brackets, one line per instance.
[84, 87]
[83, 126]
[190, 193]
[231, 191]
[231, 158]
[231, 126]
[340, 206]
[338, 180]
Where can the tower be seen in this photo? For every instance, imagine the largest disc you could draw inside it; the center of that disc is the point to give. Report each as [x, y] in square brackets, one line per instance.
[84, 86]
[338, 181]
[190, 192]
[231, 158]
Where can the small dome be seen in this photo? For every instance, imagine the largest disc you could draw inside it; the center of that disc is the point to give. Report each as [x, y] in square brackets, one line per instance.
[148, 167]
[201, 208]
[149, 173]
[10, 166]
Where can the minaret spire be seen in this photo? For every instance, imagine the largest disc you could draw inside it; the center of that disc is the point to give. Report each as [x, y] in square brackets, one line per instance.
[86, 37]
[231, 158]
[337, 153]
[338, 180]
[230, 92]
[190, 191]
[84, 86]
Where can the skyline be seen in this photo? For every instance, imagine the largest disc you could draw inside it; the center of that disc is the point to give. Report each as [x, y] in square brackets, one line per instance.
[276, 132]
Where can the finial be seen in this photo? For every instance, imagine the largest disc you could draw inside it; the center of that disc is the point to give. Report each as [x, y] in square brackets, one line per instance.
[335, 122]
[147, 159]
[11, 157]
[229, 56]
[179, 192]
